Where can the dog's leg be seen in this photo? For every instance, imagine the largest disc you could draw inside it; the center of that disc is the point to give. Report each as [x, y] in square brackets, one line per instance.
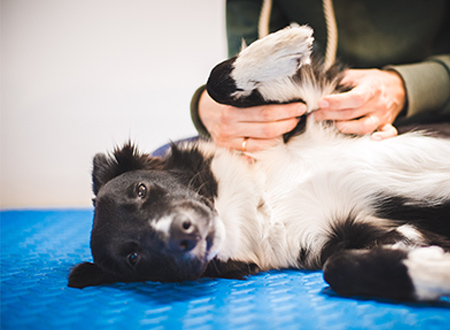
[275, 69]
[387, 272]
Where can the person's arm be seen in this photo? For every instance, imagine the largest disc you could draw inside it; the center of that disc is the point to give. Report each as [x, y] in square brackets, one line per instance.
[198, 124]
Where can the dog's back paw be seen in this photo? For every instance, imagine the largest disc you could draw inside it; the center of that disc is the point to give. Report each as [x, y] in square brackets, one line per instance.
[419, 274]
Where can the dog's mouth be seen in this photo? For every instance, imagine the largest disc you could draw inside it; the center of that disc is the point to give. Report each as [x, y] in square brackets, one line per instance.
[212, 244]
[192, 265]
[191, 239]
[207, 250]
[190, 232]
[196, 263]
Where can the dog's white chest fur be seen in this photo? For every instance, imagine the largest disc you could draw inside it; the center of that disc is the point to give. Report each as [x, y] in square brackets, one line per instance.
[290, 196]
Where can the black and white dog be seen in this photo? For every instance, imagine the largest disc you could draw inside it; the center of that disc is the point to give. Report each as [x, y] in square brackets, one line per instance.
[375, 216]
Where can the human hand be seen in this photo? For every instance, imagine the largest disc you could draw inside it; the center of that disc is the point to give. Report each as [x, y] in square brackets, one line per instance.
[371, 106]
[248, 129]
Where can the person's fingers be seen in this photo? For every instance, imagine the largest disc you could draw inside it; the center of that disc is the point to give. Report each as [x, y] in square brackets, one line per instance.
[265, 113]
[246, 144]
[259, 130]
[345, 114]
[385, 132]
[361, 126]
[227, 123]
[355, 98]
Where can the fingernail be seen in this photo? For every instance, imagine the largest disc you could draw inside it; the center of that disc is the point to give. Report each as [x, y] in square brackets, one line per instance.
[323, 104]
[376, 137]
[302, 109]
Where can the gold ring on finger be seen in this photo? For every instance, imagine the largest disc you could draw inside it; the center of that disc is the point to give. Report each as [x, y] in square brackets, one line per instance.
[244, 144]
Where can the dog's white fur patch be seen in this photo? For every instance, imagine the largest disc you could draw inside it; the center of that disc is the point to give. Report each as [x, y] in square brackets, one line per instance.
[412, 237]
[429, 270]
[286, 89]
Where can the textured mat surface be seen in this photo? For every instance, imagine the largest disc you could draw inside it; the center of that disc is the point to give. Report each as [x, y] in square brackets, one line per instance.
[38, 249]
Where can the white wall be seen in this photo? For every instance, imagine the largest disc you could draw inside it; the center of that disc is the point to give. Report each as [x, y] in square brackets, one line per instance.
[81, 76]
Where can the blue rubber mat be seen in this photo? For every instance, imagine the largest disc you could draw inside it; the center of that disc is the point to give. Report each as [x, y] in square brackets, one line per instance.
[38, 249]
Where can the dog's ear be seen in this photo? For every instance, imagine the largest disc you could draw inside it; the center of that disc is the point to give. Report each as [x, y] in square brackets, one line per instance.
[89, 274]
[127, 158]
[179, 158]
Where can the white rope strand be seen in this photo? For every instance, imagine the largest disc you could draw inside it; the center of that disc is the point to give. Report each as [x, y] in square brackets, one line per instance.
[264, 19]
[332, 34]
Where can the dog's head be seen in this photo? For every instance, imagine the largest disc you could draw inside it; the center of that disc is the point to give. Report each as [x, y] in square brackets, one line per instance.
[150, 222]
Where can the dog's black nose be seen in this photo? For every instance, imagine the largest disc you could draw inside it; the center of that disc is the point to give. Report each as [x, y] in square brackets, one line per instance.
[184, 234]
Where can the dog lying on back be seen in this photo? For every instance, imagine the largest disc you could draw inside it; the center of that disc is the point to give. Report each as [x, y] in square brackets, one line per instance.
[375, 216]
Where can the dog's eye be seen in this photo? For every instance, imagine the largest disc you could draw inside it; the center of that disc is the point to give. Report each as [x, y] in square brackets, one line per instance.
[133, 258]
[141, 191]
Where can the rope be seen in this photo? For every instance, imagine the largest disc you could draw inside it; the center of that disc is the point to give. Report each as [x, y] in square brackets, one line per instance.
[332, 34]
[264, 19]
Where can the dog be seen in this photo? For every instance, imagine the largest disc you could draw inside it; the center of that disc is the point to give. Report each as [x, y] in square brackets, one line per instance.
[374, 215]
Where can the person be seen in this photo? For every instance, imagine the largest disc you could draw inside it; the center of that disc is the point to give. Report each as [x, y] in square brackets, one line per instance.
[398, 52]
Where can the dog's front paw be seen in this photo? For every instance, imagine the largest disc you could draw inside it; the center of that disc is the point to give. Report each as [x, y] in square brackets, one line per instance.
[277, 56]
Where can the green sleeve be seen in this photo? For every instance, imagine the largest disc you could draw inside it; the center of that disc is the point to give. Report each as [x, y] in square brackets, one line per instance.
[427, 85]
[241, 23]
[242, 17]
[194, 112]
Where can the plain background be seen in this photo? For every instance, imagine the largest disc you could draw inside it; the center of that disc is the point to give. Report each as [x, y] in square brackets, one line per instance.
[82, 76]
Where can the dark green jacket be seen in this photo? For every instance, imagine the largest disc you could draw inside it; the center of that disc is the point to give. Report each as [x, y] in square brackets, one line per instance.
[411, 37]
